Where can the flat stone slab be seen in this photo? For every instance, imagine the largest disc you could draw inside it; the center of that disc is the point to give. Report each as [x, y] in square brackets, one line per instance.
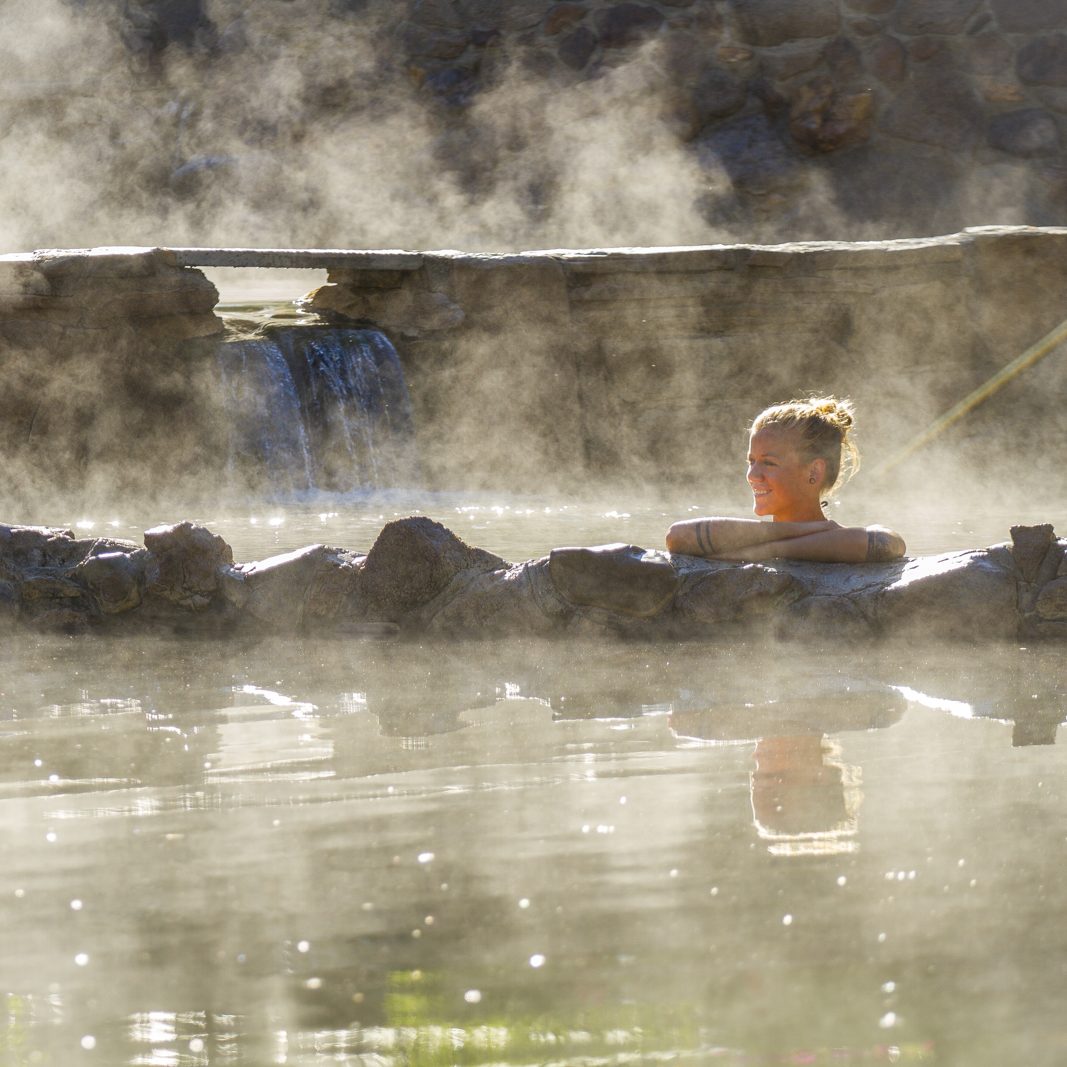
[419, 578]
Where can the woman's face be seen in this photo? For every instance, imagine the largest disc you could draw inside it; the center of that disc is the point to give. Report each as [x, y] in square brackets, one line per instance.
[781, 480]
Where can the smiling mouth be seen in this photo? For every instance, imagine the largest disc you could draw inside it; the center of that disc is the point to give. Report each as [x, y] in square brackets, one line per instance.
[760, 492]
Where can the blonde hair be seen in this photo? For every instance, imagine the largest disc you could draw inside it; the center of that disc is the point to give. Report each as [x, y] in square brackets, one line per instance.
[825, 427]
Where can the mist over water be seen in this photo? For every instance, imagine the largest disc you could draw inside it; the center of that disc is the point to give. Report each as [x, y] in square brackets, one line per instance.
[240, 851]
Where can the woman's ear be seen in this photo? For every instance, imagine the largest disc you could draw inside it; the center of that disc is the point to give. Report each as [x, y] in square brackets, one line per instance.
[817, 472]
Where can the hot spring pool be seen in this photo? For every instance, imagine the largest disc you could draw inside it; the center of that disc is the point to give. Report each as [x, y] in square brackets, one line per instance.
[339, 851]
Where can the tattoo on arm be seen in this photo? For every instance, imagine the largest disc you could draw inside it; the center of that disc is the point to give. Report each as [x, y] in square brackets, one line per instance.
[880, 547]
[704, 538]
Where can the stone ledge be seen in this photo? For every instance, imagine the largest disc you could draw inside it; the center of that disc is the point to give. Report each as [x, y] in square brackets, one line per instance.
[420, 578]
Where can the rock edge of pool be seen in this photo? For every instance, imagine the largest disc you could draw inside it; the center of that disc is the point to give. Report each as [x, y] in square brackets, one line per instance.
[419, 578]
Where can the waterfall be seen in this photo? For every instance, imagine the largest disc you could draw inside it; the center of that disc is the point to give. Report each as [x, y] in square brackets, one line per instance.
[316, 407]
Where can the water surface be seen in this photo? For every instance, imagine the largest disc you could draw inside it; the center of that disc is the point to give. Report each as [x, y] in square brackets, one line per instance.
[335, 851]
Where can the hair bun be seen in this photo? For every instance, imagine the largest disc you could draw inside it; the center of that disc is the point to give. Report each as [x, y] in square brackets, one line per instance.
[838, 412]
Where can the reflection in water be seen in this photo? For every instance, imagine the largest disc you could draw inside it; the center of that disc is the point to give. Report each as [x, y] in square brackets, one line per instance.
[804, 799]
[298, 852]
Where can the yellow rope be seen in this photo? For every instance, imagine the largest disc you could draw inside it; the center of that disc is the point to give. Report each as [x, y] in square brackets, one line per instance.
[1032, 355]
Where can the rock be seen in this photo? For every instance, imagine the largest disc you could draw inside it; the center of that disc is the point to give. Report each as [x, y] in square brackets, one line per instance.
[577, 48]
[933, 16]
[1043, 61]
[990, 53]
[562, 17]
[310, 586]
[781, 66]
[116, 579]
[843, 60]
[752, 153]
[925, 49]
[411, 562]
[1027, 132]
[955, 597]
[872, 7]
[1029, 16]
[518, 600]
[1029, 546]
[939, 108]
[887, 60]
[731, 593]
[1052, 600]
[406, 312]
[824, 618]
[626, 24]
[187, 560]
[865, 27]
[773, 22]
[1000, 92]
[618, 578]
[824, 120]
[427, 44]
[716, 95]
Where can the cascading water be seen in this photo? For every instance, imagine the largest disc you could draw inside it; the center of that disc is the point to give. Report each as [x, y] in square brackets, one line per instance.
[316, 407]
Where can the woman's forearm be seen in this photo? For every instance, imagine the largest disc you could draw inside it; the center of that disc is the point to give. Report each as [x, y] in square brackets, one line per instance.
[842, 544]
[714, 537]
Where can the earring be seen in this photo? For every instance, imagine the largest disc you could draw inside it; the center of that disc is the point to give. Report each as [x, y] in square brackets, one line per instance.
[811, 480]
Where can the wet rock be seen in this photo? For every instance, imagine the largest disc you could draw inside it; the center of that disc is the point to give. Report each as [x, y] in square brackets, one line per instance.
[954, 597]
[1052, 601]
[825, 120]
[411, 562]
[620, 578]
[187, 561]
[577, 48]
[933, 16]
[1027, 132]
[774, 22]
[1029, 546]
[732, 593]
[1029, 16]
[1043, 61]
[116, 579]
[517, 600]
[626, 24]
[824, 618]
[307, 587]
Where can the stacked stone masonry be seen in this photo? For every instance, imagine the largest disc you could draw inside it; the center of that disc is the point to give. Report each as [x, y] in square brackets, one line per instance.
[905, 112]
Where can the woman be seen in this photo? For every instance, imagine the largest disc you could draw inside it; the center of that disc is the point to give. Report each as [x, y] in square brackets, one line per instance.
[795, 456]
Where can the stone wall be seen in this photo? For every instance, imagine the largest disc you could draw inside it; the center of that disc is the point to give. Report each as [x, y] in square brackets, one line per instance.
[646, 366]
[799, 119]
[561, 369]
[105, 373]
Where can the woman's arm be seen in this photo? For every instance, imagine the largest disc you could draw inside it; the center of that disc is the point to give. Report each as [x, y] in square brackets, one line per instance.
[842, 544]
[713, 537]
